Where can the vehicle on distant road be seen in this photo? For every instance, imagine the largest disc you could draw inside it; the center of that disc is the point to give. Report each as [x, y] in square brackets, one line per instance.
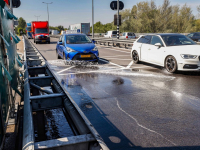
[29, 31]
[127, 35]
[76, 46]
[111, 34]
[40, 32]
[194, 36]
[54, 32]
[172, 51]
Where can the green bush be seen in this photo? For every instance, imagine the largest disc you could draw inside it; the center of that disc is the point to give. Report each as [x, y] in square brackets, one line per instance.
[21, 31]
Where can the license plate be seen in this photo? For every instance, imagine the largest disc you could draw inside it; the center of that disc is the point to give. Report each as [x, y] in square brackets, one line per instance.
[43, 40]
[85, 56]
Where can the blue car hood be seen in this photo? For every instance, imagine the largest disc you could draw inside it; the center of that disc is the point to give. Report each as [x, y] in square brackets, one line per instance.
[81, 47]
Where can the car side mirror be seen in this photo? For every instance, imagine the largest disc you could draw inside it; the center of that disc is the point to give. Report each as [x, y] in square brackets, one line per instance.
[60, 43]
[158, 45]
[93, 41]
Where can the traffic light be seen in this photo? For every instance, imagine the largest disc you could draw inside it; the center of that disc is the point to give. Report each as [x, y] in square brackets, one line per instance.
[16, 3]
[113, 5]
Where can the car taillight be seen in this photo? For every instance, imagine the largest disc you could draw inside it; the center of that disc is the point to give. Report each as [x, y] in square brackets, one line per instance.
[136, 37]
[127, 37]
[111, 35]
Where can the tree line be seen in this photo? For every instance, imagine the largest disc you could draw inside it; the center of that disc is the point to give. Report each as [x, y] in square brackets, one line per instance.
[147, 17]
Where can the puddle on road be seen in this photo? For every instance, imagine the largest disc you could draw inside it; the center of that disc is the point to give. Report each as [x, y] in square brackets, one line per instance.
[65, 68]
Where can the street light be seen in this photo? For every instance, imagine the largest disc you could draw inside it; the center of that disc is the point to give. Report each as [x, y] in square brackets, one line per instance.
[37, 17]
[92, 18]
[47, 9]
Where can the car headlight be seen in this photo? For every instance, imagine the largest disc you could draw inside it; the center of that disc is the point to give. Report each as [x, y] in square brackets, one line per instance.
[185, 56]
[70, 50]
[95, 49]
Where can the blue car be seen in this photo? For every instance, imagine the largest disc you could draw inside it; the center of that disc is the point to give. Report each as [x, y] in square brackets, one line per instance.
[76, 46]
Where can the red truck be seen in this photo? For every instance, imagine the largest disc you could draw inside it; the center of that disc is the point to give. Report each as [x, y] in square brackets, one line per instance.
[40, 31]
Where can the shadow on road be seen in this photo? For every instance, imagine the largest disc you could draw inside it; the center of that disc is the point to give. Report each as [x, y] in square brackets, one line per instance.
[158, 69]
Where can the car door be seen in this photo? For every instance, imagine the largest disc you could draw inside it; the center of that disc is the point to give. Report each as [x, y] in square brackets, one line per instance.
[155, 53]
[62, 46]
[145, 47]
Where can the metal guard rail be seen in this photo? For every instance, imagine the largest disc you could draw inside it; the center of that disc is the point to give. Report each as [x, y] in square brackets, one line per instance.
[114, 41]
[85, 136]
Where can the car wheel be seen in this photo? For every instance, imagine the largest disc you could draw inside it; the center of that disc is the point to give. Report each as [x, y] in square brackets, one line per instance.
[49, 42]
[34, 41]
[135, 57]
[171, 64]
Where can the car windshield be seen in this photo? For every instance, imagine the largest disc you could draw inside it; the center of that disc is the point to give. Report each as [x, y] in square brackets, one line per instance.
[177, 40]
[28, 28]
[77, 39]
[41, 30]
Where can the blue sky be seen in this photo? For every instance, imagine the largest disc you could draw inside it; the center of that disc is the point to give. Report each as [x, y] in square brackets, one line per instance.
[66, 12]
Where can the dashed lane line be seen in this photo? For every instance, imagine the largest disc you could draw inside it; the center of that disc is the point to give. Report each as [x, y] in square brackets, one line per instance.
[114, 56]
[130, 64]
[117, 50]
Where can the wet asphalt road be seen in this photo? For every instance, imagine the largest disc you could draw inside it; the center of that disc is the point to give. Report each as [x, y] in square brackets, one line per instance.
[133, 106]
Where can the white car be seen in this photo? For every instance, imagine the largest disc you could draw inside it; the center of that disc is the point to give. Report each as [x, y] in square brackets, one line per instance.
[111, 34]
[170, 50]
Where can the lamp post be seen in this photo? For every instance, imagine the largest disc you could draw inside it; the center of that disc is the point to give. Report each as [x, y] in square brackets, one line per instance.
[47, 9]
[92, 18]
[37, 17]
[118, 19]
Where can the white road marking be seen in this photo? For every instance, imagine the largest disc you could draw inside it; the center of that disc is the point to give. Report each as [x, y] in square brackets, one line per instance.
[65, 69]
[111, 63]
[117, 58]
[128, 50]
[122, 73]
[117, 50]
[130, 64]
[114, 56]
[100, 71]
[142, 125]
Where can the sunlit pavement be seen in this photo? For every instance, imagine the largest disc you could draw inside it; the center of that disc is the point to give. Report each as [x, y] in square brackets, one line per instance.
[132, 105]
